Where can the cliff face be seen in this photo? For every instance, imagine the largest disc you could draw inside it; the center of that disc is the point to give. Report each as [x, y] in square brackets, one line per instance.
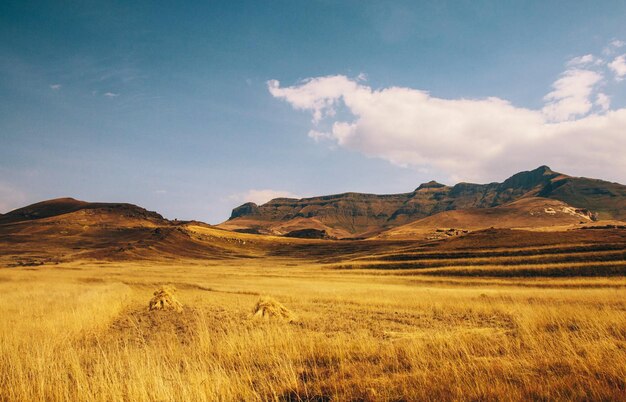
[352, 212]
[363, 214]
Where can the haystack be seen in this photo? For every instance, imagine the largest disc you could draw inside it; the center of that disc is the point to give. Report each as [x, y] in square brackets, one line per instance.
[164, 300]
[268, 307]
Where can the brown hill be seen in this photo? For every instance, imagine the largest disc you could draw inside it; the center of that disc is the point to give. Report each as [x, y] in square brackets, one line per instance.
[63, 206]
[532, 213]
[362, 215]
[66, 229]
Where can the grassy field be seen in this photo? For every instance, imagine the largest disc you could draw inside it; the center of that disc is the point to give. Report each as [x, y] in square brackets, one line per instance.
[82, 331]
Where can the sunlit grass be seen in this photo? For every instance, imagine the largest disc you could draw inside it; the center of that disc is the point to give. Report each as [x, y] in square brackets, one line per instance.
[84, 333]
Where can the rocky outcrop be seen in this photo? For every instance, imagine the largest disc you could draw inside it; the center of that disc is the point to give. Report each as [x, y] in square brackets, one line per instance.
[247, 209]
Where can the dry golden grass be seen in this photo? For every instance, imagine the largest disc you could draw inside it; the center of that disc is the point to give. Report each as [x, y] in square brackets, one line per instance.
[268, 307]
[164, 300]
[82, 332]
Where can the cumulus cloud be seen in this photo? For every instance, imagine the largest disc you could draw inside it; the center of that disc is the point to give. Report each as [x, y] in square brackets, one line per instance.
[570, 97]
[603, 101]
[316, 94]
[469, 139]
[261, 196]
[613, 47]
[618, 66]
[55, 87]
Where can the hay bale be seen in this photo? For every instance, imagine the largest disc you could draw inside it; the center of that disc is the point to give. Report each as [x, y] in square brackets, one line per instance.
[164, 300]
[267, 308]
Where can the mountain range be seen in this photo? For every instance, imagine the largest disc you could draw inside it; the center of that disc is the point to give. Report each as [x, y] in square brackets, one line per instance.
[357, 215]
[539, 205]
[540, 199]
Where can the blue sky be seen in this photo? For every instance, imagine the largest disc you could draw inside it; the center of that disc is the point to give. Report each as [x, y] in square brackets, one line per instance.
[168, 106]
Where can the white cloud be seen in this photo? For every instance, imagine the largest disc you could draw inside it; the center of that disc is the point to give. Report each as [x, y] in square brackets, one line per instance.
[618, 66]
[318, 136]
[570, 97]
[603, 101]
[469, 139]
[584, 61]
[261, 196]
[317, 94]
[55, 87]
[111, 94]
[613, 46]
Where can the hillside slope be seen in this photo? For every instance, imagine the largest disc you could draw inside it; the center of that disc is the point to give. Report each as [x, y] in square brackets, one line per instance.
[62, 206]
[531, 213]
[77, 232]
[66, 229]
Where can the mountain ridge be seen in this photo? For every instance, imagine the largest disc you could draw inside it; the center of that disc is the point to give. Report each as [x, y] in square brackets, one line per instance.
[358, 214]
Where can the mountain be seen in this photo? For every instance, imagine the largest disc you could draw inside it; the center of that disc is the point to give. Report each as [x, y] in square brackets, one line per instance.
[68, 230]
[363, 215]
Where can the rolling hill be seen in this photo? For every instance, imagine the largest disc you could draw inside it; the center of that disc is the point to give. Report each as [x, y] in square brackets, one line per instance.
[65, 206]
[547, 231]
[66, 229]
[531, 213]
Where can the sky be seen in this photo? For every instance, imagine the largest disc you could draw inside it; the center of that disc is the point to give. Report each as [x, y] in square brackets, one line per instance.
[192, 108]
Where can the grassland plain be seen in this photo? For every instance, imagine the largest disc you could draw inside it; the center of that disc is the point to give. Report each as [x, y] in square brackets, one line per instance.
[82, 331]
